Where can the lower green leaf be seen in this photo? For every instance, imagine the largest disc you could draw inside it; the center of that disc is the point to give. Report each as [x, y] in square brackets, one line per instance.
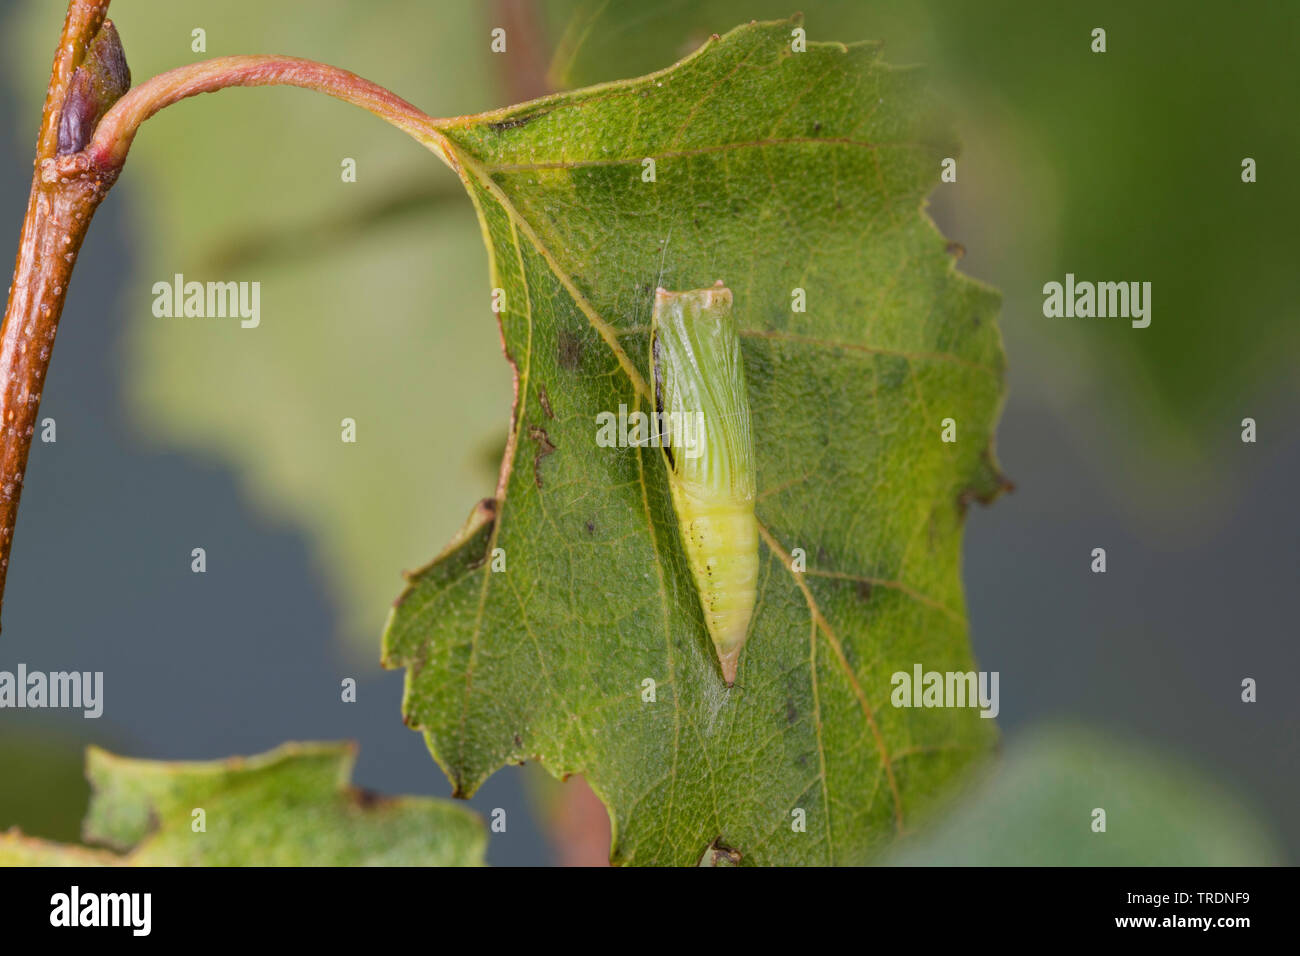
[292, 806]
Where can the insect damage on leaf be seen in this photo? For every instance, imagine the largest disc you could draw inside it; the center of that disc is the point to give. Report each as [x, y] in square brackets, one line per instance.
[544, 447]
[703, 415]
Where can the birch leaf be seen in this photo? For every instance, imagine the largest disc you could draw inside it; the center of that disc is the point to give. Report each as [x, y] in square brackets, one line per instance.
[292, 806]
[562, 624]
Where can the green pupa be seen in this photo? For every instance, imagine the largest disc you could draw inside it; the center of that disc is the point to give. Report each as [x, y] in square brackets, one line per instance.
[699, 378]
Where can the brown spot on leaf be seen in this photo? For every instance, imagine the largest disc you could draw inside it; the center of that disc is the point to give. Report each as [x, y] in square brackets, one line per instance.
[591, 526]
[569, 351]
[544, 448]
[369, 799]
[719, 854]
[955, 249]
[545, 401]
[864, 590]
[516, 121]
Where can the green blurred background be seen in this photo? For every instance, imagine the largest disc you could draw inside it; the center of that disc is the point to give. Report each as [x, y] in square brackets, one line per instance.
[1116, 166]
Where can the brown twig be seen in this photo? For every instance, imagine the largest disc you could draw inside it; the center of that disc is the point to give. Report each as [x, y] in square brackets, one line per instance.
[62, 200]
[68, 187]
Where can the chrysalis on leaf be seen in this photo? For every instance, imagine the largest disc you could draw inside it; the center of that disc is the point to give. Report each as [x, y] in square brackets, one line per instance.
[703, 415]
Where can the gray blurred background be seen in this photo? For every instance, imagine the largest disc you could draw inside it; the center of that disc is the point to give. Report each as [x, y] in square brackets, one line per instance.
[1115, 166]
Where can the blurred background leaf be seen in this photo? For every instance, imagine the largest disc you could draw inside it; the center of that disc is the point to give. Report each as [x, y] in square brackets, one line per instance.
[289, 807]
[51, 792]
[1035, 808]
[374, 293]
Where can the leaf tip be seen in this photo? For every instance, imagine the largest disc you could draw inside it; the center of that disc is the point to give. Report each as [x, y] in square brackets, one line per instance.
[987, 485]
